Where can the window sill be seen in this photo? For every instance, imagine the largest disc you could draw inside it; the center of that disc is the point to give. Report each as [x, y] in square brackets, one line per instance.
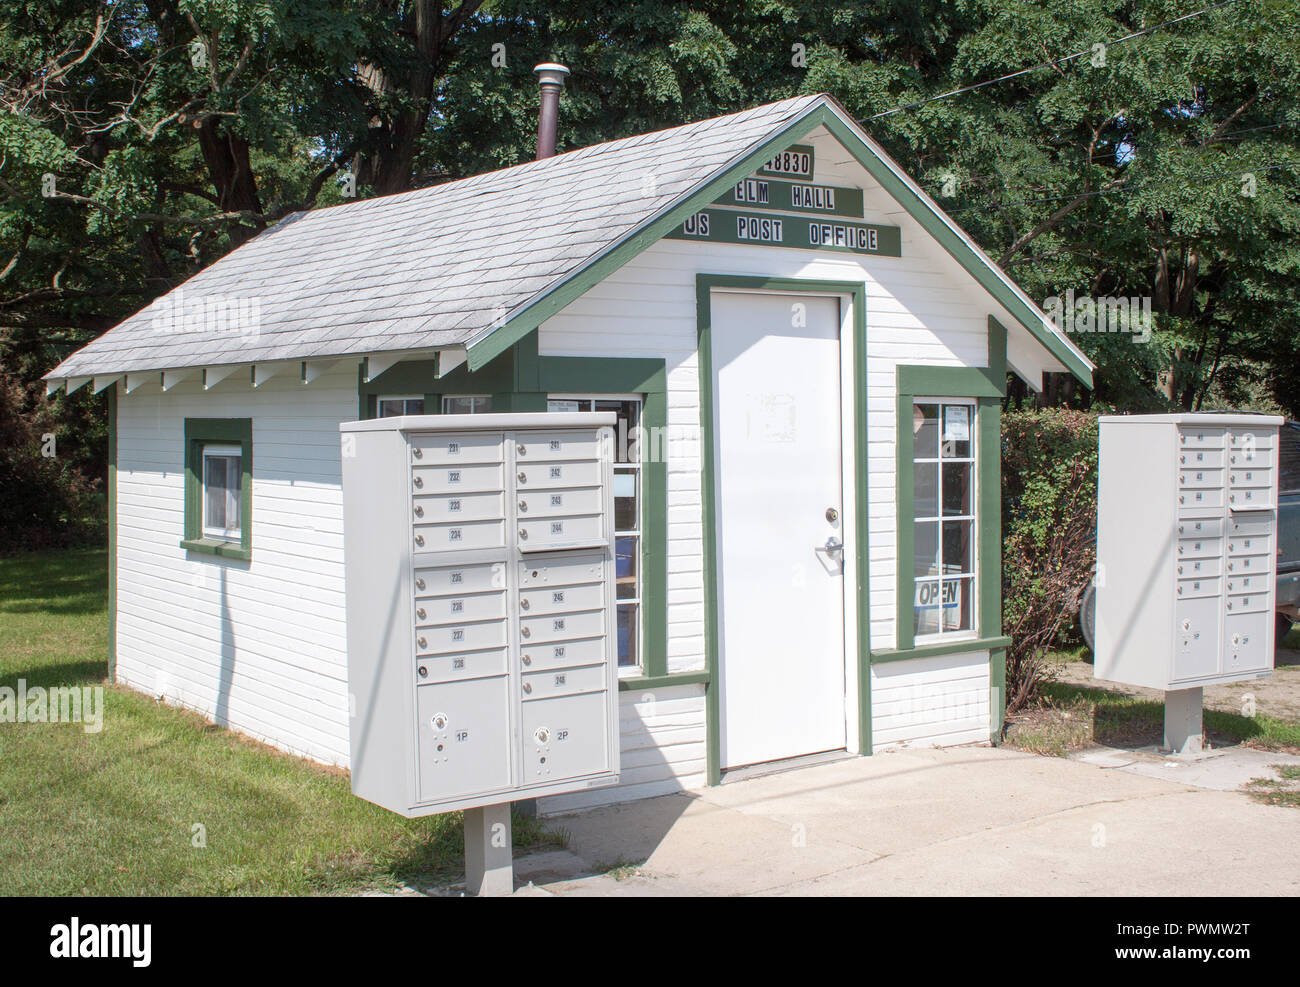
[211, 546]
[640, 682]
[942, 648]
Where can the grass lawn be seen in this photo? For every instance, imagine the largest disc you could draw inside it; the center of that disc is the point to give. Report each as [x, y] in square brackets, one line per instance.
[121, 811]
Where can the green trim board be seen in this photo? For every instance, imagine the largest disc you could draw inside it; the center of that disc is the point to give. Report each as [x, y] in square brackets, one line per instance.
[986, 385]
[806, 197]
[822, 114]
[799, 232]
[112, 533]
[665, 681]
[956, 647]
[199, 431]
[522, 367]
[856, 290]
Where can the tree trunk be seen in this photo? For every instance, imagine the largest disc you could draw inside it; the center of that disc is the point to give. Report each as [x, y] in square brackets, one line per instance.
[232, 174]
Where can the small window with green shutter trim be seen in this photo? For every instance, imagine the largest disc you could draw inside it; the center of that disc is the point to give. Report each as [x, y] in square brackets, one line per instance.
[219, 487]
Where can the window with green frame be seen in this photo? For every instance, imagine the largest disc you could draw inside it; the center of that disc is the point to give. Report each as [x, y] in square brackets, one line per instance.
[219, 487]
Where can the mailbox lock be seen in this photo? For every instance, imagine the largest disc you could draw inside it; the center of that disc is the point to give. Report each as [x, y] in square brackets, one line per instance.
[1187, 624]
[523, 450]
[542, 735]
[420, 611]
[523, 535]
[523, 477]
[419, 511]
[419, 584]
[523, 506]
[528, 687]
[525, 632]
[418, 482]
[422, 642]
[419, 539]
[523, 604]
[417, 452]
[424, 672]
[527, 659]
[439, 721]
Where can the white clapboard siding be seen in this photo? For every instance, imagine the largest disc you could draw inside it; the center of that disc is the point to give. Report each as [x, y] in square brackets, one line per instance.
[930, 702]
[257, 646]
[662, 740]
[921, 308]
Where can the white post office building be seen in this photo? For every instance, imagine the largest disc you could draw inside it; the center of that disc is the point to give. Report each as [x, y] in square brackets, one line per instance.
[807, 358]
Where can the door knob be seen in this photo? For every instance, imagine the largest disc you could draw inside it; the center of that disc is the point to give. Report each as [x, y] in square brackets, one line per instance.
[834, 545]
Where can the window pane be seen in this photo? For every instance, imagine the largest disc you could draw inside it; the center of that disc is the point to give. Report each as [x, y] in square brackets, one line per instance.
[415, 406]
[232, 494]
[957, 604]
[626, 564]
[625, 500]
[925, 490]
[926, 607]
[957, 546]
[956, 430]
[627, 634]
[391, 407]
[925, 431]
[629, 418]
[926, 546]
[956, 488]
[214, 492]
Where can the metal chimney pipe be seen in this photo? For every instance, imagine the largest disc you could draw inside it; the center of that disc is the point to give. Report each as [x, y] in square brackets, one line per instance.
[550, 80]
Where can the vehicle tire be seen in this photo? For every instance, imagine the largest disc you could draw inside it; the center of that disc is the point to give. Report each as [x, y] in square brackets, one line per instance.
[1283, 628]
[1088, 615]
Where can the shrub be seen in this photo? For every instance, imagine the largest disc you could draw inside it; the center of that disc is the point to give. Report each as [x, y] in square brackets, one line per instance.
[1049, 531]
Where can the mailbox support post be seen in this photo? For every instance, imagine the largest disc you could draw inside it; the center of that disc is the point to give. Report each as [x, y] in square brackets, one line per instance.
[1183, 721]
[489, 867]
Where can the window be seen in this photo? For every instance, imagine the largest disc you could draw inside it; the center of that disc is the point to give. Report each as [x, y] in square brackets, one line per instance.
[627, 513]
[392, 406]
[943, 512]
[221, 485]
[467, 404]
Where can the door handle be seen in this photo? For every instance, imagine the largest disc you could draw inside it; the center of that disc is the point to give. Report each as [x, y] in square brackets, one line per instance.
[833, 545]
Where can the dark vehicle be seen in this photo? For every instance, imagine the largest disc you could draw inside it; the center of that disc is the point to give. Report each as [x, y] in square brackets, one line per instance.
[1288, 541]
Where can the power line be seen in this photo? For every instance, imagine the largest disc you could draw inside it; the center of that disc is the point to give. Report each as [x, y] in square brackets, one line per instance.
[1048, 63]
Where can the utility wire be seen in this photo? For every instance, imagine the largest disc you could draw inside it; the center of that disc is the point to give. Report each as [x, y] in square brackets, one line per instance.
[1048, 63]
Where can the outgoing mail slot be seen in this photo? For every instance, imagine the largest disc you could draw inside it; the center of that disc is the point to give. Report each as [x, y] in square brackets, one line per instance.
[1200, 478]
[461, 665]
[565, 737]
[543, 476]
[542, 446]
[459, 579]
[473, 447]
[457, 536]
[460, 637]
[560, 627]
[1200, 567]
[552, 502]
[459, 507]
[1200, 438]
[562, 654]
[458, 609]
[1199, 548]
[1190, 497]
[1198, 587]
[562, 682]
[1210, 527]
[562, 571]
[538, 534]
[462, 748]
[457, 479]
[562, 599]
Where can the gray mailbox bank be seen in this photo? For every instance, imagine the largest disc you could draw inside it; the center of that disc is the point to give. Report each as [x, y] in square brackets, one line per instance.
[480, 616]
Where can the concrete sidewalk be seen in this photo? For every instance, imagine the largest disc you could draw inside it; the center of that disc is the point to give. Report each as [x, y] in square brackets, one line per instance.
[954, 821]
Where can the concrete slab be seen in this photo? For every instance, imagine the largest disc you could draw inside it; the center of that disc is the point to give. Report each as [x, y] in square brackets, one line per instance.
[952, 821]
[1224, 769]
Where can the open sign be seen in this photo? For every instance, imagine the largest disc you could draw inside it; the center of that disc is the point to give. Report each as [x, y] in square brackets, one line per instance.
[936, 595]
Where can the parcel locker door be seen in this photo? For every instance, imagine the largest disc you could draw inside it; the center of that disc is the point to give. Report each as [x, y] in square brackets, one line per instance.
[464, 737]
[1196, 638]
[565, 737]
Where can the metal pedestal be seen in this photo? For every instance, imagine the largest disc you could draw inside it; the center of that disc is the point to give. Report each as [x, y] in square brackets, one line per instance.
[489, 868]
[1183, 721]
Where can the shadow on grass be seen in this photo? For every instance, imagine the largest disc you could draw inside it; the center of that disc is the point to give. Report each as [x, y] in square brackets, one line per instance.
[57, 583]
[67, 673]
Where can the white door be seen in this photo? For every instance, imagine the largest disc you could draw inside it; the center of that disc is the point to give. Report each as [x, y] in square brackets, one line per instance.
[777, 455]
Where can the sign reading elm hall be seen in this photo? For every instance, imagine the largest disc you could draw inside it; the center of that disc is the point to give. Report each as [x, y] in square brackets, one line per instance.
[760, 192]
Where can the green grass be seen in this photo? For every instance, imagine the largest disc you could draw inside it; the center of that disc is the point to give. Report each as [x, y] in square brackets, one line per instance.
[1283, 790]
[114, 812]
[1122, 720]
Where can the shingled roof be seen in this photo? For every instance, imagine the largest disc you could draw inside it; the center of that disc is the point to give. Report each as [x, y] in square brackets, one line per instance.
[429, 269]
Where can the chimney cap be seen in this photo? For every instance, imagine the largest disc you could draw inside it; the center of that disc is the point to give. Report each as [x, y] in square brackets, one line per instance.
[550, 72]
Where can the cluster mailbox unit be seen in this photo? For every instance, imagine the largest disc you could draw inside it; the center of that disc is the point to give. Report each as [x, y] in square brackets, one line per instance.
[480, 601]
[1186, 543]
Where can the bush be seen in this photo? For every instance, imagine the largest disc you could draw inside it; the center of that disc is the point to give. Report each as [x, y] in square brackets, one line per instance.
[46, 499]
[1049, 535]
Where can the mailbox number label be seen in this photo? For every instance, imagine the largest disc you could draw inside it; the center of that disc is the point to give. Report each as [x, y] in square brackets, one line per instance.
[453, 448]
[453, 505]
[453, 476]
[555, 472]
